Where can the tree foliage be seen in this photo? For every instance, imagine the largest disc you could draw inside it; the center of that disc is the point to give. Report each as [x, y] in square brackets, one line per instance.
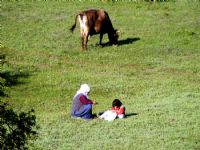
[2, 80]
[16, 129]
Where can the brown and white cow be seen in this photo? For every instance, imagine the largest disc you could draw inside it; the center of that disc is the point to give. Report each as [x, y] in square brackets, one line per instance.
[95, 21]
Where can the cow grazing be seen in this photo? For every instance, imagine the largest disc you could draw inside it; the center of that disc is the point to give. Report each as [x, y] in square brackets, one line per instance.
[95, 21]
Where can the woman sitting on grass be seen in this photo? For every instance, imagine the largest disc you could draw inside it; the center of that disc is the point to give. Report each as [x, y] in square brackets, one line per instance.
[82, 106]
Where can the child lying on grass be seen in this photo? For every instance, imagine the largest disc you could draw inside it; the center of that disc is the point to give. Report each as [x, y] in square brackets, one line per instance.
[117, 111]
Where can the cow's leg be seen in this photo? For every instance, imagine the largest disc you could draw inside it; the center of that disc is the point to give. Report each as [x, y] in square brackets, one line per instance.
[82, 42]
[101, 37]
[86, 41]
[83, 30]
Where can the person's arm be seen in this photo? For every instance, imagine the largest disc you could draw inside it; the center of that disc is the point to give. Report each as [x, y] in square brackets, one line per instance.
[121, 110]
[84, 100]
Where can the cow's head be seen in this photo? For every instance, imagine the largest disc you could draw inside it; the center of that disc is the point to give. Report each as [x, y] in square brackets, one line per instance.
[114, 38]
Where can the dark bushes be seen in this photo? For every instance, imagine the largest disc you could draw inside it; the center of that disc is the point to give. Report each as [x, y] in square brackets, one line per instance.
[15, 129]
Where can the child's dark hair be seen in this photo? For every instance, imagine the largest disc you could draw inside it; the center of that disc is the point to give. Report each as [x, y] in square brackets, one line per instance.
[117, 103]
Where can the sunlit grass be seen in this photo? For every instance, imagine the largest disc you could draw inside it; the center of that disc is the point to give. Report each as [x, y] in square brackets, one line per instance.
[154, 70]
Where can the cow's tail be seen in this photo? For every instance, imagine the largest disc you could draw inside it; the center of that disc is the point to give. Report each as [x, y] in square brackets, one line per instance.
[74, 26]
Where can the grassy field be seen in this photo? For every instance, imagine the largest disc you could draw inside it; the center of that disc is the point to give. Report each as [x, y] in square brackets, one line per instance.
[155, 71]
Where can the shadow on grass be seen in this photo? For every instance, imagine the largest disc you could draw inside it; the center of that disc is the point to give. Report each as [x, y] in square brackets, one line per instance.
[128, 41]
[12, 78]
[121, 42]
[130, 114]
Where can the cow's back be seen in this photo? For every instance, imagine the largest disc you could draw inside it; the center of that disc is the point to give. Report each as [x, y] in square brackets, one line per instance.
[98, 21]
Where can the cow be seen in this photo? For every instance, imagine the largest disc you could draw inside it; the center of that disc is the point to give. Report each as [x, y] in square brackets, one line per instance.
[95, 21]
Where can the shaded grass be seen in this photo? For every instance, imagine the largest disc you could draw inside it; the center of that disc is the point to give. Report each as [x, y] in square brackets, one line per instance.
[154, 71]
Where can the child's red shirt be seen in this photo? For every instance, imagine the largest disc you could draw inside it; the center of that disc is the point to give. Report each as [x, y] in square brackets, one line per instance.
[119, 110]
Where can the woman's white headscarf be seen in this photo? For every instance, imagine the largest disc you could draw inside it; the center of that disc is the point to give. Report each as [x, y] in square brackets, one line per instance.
[84, 89]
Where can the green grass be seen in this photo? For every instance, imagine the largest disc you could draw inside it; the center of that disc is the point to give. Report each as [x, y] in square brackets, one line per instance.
[155, 71]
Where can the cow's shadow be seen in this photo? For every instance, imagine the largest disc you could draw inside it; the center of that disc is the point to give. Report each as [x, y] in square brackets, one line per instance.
[128, 41]
[121, 42]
